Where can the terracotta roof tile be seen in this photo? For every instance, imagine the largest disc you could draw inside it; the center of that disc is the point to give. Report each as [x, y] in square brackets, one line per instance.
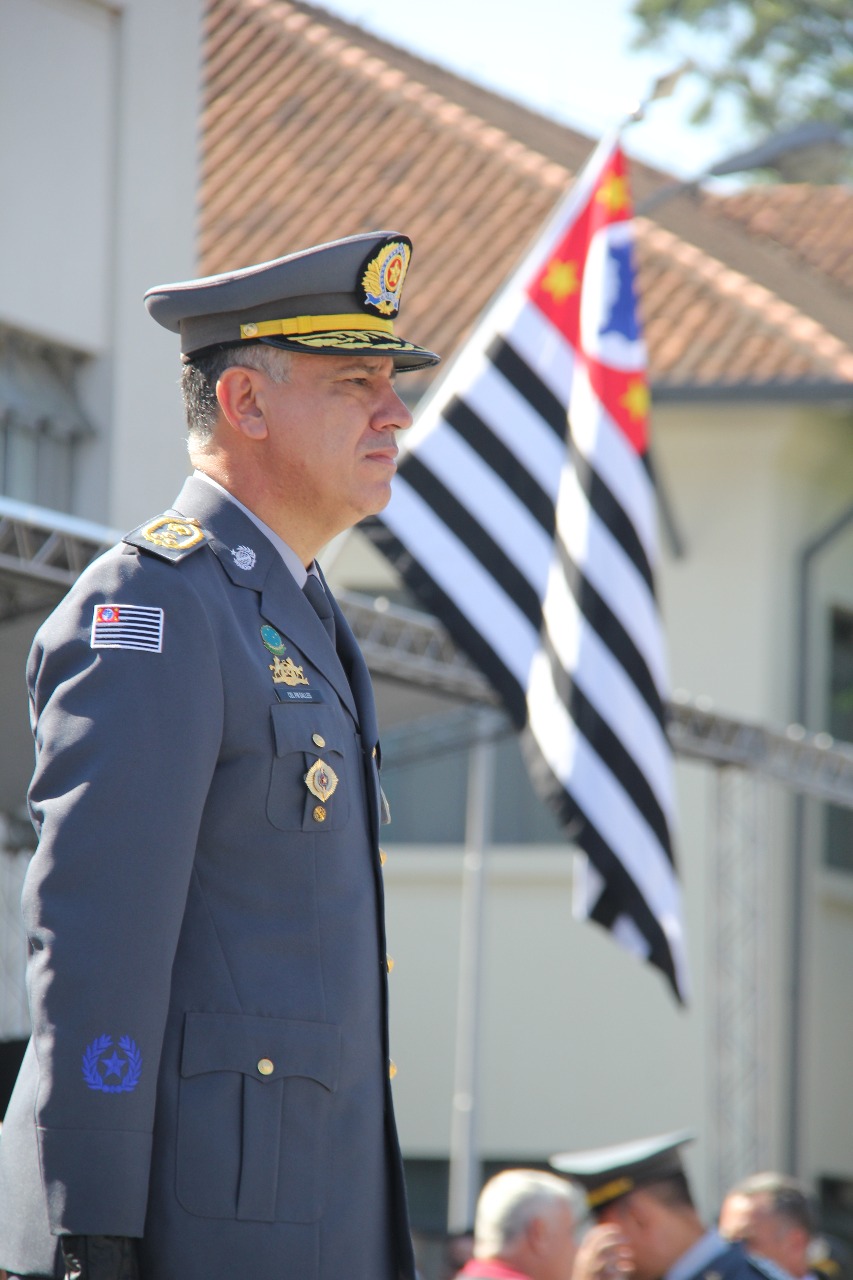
[312, 129]
[815, 224]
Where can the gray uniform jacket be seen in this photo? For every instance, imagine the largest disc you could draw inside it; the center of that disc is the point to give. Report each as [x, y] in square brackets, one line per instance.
[207, 981]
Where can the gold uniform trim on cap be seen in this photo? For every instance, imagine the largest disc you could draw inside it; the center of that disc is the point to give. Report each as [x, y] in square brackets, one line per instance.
[300, 326]
[364, 342]
[610, 1191]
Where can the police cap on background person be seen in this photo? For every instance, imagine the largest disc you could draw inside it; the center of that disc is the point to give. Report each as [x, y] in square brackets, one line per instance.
[641, 1188]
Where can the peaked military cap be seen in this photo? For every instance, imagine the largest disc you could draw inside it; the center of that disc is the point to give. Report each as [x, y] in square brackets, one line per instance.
[339, 298]
[608, 1173]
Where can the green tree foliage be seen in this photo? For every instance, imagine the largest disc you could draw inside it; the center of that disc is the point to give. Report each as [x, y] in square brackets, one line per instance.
[784, 61]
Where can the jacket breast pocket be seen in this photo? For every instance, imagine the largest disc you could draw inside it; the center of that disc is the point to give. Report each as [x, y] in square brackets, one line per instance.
[255, 1096]
[309, 783]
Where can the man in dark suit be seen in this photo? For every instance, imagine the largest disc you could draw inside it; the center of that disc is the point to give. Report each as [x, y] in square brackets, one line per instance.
[206, 1092]
[639, 1190]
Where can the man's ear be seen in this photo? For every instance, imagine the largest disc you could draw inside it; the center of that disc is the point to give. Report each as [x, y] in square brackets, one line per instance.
[537, 1234]
[237, 393]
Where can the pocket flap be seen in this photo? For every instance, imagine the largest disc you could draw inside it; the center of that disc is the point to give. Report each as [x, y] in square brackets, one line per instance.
[265, 1048]
[298, 728]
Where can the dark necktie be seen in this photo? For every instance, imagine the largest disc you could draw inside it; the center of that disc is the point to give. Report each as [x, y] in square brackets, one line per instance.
[316, 594]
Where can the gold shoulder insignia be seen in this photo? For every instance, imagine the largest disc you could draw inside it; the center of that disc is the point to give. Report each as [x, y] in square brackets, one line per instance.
[170, 536]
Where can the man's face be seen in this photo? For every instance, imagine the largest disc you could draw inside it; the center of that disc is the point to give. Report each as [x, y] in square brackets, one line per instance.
[617, 1215]
[750, 1220]
[332, 427]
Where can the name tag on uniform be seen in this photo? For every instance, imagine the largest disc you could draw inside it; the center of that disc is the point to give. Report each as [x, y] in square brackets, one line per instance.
[298, 695]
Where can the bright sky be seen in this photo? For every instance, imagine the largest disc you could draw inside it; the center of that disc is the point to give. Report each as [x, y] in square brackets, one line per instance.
[570, 60]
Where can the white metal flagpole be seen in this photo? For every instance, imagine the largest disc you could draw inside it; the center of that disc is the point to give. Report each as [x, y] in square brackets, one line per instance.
[464, 1151]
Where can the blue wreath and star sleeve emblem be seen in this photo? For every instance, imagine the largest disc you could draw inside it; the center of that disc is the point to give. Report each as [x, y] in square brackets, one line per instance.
[108, 1068]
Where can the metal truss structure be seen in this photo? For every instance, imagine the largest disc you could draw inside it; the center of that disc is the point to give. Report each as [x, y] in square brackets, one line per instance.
[405, 645]
[740, 988]
[42, 553]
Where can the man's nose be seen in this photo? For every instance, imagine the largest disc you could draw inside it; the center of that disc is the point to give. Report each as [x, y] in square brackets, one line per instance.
[393, 411]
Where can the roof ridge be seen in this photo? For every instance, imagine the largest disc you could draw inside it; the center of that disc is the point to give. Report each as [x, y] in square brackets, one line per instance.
[775, 312]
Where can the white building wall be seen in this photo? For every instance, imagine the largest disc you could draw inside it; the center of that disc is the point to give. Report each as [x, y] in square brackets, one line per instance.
[564, 1064]
[98, 130]
[59, 62]
[155, 243]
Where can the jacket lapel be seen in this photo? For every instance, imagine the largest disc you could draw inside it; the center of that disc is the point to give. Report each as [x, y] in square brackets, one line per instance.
[251, 561]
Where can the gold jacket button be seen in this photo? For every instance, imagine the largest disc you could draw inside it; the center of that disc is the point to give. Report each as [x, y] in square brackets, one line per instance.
[318, 740]
[266, 1067]
[392, 1068]
[389, 963]
[319, 813]
[383, 857]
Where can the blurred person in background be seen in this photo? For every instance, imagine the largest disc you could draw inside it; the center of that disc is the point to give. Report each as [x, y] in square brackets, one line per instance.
[527, 1227]
[775, 1216]
[641, 1191]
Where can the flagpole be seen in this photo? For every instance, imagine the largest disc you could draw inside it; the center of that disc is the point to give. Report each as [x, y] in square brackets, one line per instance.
[464, 1180]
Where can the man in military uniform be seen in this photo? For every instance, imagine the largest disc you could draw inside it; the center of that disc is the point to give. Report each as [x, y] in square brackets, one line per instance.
[641, 1191]
[206, 1092]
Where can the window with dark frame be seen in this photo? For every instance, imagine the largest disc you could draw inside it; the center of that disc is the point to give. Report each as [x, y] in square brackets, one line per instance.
[42, 423]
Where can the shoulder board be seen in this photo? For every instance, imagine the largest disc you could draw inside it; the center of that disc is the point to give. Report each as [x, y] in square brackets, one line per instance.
[170, 536]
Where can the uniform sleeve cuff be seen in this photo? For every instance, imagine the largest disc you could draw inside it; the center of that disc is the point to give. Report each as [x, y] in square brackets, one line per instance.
[96, 1181]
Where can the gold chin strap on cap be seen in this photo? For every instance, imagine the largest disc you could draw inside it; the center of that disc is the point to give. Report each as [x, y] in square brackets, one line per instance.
[314, 324]
[610, 1191]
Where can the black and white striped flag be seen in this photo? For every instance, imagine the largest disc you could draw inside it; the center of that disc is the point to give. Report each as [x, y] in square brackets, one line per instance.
[523, 517]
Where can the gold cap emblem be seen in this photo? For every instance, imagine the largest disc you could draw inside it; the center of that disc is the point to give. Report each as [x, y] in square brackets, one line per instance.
[383, 277]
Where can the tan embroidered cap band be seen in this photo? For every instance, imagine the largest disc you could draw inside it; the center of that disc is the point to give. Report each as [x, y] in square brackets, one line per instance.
[338, 298]
[609, 1173]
